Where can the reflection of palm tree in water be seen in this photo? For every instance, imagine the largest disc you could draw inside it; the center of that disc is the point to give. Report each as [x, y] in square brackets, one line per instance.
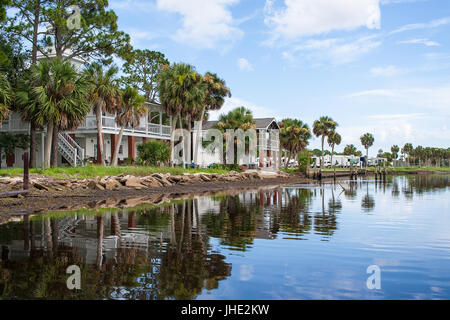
[325, 224]
[368, 202]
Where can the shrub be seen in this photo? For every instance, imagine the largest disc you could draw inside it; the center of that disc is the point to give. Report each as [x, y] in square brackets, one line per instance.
[153, 153]
[303, 163]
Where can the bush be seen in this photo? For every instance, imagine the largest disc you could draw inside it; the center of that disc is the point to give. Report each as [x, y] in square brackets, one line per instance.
[303, 163]
[153, 153]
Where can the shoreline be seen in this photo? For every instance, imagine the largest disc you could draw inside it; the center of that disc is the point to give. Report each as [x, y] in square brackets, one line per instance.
[65, 195]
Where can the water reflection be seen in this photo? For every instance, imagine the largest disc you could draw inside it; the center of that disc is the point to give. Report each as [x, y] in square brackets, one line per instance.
[185, 249]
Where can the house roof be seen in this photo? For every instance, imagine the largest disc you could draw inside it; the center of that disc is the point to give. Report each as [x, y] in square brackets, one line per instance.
[261, 124]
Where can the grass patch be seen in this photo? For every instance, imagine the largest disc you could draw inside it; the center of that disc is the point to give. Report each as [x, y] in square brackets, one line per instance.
[100, 171]
[410, 169]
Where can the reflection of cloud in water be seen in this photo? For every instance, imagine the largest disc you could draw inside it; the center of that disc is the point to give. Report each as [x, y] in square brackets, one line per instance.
[246, 272]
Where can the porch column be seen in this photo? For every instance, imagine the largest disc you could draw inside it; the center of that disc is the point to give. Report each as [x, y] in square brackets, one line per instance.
[145, 140]
[99, 154]
[113, 144]
[131, 147]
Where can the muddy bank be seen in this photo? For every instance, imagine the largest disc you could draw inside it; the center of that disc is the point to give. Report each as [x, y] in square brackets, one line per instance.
[71, 194]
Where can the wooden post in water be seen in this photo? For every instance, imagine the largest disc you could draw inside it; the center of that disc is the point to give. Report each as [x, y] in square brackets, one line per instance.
[26, 173]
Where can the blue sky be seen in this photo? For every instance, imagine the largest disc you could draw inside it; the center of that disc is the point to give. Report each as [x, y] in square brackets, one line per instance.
[379, 66]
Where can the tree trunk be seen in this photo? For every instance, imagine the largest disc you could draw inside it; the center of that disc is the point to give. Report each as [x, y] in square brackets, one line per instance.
[286, 165]
[55, 139]
[198, 140]
[332, 163]
[367, 157]
[182, 141]
[115, 158]
[172, 142]
[188, 153]
[34, 49]
[48, 145]
[32, 145]
[98, 115]
[323, 155]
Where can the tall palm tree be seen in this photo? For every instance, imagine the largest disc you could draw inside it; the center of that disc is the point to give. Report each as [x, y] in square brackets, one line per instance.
[334, 139]
[322, 128]
[132, 109]
[367, 141]
[216, 92]
[181, 92]
[395, 150]
[56, 96]
[408, 149]
[294, 136]
[104, 93]
[6, 96]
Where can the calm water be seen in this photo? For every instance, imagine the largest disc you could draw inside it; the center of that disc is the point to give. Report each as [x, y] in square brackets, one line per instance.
[297, 242]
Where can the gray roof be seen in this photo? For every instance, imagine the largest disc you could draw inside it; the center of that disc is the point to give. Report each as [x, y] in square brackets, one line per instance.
[261, 123]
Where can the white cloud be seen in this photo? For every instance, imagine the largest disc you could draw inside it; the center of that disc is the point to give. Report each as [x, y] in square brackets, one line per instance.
[431, 98]
[388, 71]
[205, 23]
[244, 65]
[425, 42]
[426, 25]
[400, 1]
[233, 102]
[334, 51]
[376, 92]
[300, 18]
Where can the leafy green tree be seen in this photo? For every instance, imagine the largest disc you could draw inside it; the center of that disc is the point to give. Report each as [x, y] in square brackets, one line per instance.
[57, 96]
[153, 152]
[96, 37]
[132, 108]
[350, 150]
[104, 96]
[141, 71]
[334, 139]
[3, 5]
[6, 97]
[294, 137]
[9, 142]
[322, 128]
[367, 141]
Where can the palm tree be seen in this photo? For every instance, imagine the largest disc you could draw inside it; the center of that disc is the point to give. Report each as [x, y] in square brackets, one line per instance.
[216, 92]
[334, 139]
[408, 149]
[323, 127]
[294, 136]
[132, 109]
[395, 150]
[5, 97]
[181, 92]
[104, 93]
[55, 96]
[239, 118]
[367, 141]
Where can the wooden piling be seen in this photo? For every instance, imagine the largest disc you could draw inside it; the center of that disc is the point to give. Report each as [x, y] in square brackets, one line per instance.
[26, 172]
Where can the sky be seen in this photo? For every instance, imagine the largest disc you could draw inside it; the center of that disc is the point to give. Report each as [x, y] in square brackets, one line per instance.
[378, 66]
